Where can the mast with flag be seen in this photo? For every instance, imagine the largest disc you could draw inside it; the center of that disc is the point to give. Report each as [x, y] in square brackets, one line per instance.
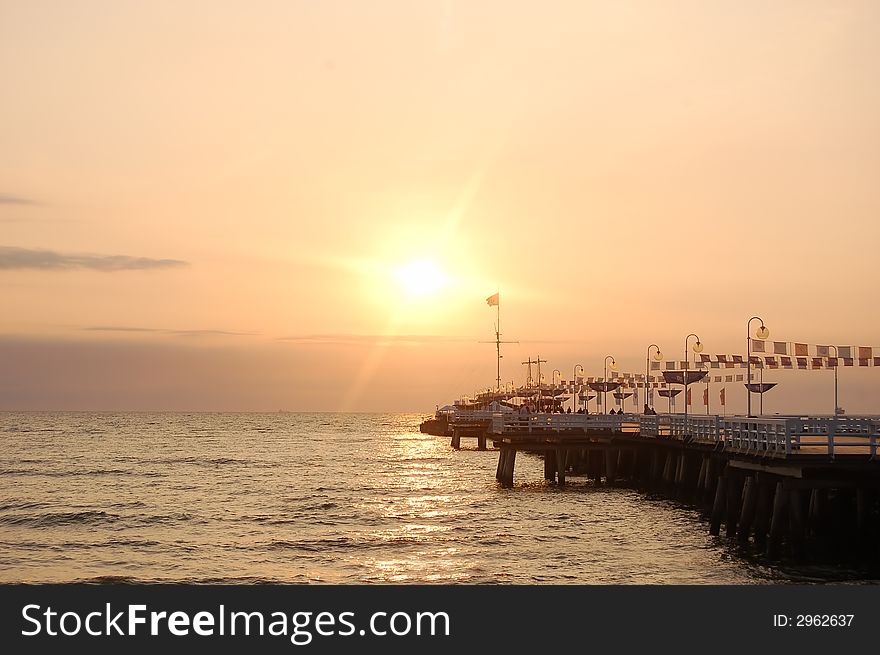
[493, 301]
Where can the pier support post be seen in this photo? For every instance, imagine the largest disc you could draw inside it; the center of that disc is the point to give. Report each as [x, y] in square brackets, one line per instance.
[701, 476]
[560, 465]
[481, 441]
[749, 505]
[712, 469]
[655, 467]
[734, 502]
[667, 469]
[863, 505]
[611, 455]
[681, 482]
[796, 521]
[507, 474]
[763, 506]
[502, 455]
[456, 439]
[777, 521]
[718, 506]
[549, 465]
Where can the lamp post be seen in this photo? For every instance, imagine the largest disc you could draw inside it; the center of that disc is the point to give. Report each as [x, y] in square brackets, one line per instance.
[761, 333]
[836, 365]
[697, 347]
[578, 368]
[605, 382]
[657, 356]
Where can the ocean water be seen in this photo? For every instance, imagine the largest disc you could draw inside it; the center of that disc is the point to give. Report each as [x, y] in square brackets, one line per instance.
[325, 498]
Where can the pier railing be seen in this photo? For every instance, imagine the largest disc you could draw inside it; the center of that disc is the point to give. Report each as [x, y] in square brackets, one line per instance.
[778, 436]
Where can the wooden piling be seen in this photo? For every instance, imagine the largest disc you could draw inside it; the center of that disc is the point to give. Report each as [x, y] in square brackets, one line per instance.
[456, 439]
[611, 456]
[509, 462]
[655, 467]
[502, 452]
[481, 441]
[701, 476]
[560, 465]
[777, 521]
[667, 469]
[549, 465]
[719, 506]
[763, 511]
[734, 501]
[796, 521]
[749, 505]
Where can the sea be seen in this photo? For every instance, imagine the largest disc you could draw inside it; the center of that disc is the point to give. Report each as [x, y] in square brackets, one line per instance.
[210, 498]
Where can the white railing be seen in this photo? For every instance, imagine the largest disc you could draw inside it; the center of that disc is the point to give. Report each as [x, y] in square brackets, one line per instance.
[777, 435]
[541, 422]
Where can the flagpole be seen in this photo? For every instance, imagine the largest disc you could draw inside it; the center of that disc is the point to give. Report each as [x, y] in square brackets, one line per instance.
[498, 339]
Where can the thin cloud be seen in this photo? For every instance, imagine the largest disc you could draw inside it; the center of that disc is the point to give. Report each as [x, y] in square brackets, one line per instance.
[177, 333]
[7, 199]
[373, 338]
[47, 260]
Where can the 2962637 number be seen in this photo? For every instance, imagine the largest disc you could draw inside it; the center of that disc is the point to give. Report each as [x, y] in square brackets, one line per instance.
[824, 620]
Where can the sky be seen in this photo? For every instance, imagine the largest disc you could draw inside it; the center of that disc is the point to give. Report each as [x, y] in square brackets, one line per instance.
[254, 206]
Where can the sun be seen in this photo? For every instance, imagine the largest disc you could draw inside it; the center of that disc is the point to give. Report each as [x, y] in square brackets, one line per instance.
[421, 278]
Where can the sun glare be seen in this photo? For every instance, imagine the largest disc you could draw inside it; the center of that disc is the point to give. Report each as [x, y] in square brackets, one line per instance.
[421, 278]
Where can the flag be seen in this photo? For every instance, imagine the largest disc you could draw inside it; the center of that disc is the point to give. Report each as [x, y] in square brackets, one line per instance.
[723, 399]
[801, 350]
[780, 347]
[823, 351]
[706, 396]
[492, 300]
[689, 396]
[758, 346]
[865, 353]
[844, 352]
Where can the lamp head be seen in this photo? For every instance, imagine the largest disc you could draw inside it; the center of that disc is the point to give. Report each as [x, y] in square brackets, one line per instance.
[658, 356]
[613, 365]
[762, 332]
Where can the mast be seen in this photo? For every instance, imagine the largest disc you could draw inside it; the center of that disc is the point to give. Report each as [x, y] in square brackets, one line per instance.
[495, 300]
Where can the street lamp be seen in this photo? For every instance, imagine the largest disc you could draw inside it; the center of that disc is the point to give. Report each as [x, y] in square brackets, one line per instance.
[761, 333]
[657, 356]
[577, 369]
[697, 348]
[836, 365]
[613, 367]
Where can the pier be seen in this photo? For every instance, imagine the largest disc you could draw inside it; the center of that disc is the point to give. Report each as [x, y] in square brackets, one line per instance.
[780, 483]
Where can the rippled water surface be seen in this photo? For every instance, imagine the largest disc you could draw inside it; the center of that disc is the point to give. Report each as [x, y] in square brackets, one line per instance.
[323, 498]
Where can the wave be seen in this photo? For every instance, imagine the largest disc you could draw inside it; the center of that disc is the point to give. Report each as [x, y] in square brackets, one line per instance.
[53, 519]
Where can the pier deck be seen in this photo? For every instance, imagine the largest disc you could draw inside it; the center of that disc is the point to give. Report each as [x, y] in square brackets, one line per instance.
[779, 481]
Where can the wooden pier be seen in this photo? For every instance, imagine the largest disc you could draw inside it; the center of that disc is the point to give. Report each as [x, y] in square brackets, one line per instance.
[781, 483]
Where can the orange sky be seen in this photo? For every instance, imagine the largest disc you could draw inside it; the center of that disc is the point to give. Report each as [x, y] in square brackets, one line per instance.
[624, 172]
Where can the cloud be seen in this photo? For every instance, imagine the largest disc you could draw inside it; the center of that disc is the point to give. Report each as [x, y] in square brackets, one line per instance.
[7, 199]
[373, 338]
[23, 258]
[177, 333]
